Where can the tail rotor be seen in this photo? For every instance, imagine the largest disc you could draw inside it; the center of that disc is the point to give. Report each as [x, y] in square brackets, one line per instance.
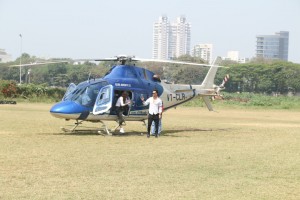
[220, 87]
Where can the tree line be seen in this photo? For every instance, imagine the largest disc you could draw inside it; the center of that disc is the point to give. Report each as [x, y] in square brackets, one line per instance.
[258, 76]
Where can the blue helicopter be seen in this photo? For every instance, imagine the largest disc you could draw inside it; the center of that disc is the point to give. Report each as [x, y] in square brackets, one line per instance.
[94, 100]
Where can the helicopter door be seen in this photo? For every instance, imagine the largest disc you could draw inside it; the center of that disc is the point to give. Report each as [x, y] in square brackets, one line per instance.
[70, 89]
[104, 100]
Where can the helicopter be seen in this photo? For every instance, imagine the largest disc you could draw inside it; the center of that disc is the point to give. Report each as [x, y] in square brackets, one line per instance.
[94, 100]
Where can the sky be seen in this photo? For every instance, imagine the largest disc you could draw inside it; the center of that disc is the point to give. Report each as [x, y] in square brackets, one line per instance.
[93, 29]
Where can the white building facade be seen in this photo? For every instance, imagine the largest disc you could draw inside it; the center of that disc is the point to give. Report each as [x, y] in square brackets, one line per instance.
[235, 56]
[171, 39]
[161, 31]
[203, 51]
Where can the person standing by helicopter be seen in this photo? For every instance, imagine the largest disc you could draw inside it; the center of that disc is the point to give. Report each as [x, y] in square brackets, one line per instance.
[122, 105]
[155, 111]
[159, 123]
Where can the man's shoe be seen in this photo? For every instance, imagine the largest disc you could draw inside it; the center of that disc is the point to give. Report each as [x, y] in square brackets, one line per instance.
[122, 130]
[156, 135]
[148, 135]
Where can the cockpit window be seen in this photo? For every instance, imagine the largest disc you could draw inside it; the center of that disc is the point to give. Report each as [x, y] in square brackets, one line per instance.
[86, 95]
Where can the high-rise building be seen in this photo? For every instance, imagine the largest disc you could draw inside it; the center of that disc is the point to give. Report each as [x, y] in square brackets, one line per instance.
[171, 39]
[161, 31]
[203, 51]
[181, 30]
[273, 46]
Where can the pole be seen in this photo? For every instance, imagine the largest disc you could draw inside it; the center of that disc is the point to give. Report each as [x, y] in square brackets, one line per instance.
[29, 71]
[21, 60]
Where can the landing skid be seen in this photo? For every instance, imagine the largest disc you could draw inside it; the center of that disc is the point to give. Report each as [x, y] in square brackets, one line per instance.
[103, 128]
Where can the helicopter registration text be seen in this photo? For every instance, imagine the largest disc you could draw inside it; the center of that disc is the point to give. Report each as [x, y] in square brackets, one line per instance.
[176, 97]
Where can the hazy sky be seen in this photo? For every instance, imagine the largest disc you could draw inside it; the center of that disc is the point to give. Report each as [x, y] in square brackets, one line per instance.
[97, 28]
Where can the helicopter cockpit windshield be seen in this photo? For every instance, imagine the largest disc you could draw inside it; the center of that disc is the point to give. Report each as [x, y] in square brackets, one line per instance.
[85, 94]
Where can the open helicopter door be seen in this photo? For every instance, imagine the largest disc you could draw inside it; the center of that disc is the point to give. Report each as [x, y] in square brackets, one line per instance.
[104, 100]
[70, 89]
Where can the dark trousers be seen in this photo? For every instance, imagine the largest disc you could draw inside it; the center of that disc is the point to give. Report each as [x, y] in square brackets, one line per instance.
[152, 118]
[120, 111]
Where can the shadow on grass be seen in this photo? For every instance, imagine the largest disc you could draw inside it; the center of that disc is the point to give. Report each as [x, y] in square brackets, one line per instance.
[165, 133]
[170, 133]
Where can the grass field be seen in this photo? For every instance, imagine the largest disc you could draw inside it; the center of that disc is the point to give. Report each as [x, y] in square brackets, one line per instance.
[233, 154]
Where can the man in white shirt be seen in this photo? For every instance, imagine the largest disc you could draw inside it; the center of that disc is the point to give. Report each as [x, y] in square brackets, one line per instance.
[121, 106]
[155, 110]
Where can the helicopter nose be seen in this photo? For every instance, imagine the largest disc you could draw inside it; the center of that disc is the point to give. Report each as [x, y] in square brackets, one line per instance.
[69, 110]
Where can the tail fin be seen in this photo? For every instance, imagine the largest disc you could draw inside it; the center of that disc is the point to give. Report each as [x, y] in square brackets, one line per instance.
[208, 81]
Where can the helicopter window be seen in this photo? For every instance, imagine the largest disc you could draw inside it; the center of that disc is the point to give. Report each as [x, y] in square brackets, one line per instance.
[86, 96]
[104, 97]
[69, 91]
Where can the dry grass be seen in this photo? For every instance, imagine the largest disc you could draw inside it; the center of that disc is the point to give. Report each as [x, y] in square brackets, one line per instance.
[233, 154]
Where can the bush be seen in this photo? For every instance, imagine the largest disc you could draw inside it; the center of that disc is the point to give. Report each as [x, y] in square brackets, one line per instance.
[31, 92]
[250, 100]
[8, 88]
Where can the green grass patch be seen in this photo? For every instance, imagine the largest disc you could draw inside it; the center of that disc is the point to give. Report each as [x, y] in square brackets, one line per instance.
[232, 154]
[251, 101]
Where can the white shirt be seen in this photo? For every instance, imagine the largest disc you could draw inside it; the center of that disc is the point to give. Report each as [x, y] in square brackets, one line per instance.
[120, 102]
[155, 106]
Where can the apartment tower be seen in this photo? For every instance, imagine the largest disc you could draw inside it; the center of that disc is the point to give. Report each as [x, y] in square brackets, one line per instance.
[273, 46]
[171, 39]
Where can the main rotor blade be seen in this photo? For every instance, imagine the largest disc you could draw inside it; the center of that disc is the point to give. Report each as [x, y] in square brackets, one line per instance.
[172, 61]
[33, 64]
[106, 59]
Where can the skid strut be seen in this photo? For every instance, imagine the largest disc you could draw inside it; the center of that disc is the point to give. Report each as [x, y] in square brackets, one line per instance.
[77, 123]
[104, 127]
